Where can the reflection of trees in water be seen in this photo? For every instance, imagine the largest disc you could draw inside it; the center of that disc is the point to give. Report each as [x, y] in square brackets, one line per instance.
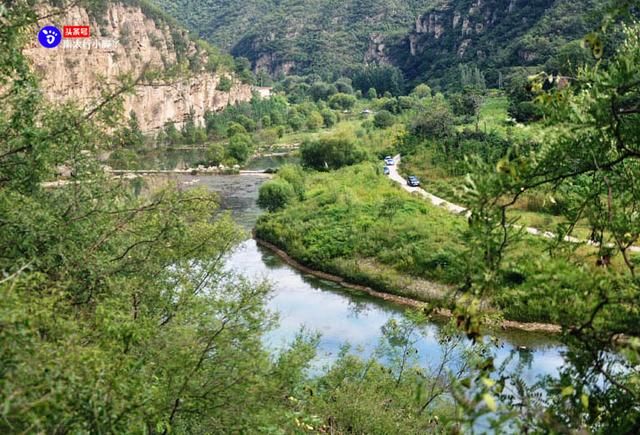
[358, 307]
[525, 356]
[270, 260]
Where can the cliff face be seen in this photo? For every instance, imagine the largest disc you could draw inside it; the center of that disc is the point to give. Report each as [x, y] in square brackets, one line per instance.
[464, 24]
[494, 35]
[126, 41]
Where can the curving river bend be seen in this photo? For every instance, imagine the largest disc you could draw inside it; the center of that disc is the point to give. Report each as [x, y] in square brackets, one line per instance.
[343, 316]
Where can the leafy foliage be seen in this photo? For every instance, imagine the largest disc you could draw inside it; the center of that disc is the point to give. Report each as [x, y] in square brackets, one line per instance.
[330, 153]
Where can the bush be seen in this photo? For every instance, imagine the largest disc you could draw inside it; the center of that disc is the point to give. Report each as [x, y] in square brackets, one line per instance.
[384, 119]
[342, 101]
[329, 117]
[331, 153]
[294, 175]
[225, 84]
[275, 194]
[525, 111]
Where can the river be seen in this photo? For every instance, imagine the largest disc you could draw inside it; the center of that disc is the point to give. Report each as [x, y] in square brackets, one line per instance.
[344, 316]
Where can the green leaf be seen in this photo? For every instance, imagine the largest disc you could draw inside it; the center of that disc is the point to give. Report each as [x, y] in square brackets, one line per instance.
[490, 402]
[567, 391]
[584, 399]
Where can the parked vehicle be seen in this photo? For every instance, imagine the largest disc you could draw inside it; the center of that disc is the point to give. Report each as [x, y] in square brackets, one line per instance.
[413, 181]
[386, 170]
[389, 161]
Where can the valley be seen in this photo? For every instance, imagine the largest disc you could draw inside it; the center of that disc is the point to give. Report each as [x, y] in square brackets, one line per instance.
[356, 217]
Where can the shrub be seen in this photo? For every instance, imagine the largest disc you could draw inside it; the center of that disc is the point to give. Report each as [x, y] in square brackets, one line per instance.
[525, 111]
[330, 118]
[275, 194]
[225, 84]
[294, 175]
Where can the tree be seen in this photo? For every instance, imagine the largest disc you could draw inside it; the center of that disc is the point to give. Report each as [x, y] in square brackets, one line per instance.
[296, 122]
[468, 103]
[434, 121]
[343, 86]
[372, 94]
[383, 78]
[422, 91]
[322, 91]
[173, 135]
[115, 315]
[520, 100]
[330, 153]
[384, 119]
[215, 154]
[131, 136]
[240, 146]
[275, 195]
[314, 121]
[235, 129]
[594, 154]
[342, 101]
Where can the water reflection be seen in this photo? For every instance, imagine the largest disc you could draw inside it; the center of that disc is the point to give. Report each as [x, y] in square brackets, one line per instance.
[345, 316]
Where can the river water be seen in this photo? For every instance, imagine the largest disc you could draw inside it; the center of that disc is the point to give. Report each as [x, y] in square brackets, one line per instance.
[343, 316]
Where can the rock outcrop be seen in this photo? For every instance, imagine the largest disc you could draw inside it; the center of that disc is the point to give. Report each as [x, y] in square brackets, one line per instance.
[126, 41]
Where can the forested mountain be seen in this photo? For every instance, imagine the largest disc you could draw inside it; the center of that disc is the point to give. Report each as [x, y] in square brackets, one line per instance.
[425, 38]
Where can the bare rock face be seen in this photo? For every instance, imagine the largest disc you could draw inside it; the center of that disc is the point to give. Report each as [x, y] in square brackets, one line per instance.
[126, 41]
[376, 51]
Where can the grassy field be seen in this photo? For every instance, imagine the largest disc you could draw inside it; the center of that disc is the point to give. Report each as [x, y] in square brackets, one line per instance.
[358, 224]
[494, 118]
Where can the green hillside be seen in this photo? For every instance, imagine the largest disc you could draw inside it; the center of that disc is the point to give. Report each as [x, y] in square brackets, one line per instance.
[425, 38]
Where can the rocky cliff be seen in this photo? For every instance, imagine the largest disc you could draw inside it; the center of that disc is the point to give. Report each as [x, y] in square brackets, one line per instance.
[126, 41]
[494, 35]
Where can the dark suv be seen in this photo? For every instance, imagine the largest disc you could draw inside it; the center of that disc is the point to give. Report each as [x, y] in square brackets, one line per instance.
[413, 181]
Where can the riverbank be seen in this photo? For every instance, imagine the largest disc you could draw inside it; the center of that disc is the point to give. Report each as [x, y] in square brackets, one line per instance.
[398, 300]
[357, 224]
